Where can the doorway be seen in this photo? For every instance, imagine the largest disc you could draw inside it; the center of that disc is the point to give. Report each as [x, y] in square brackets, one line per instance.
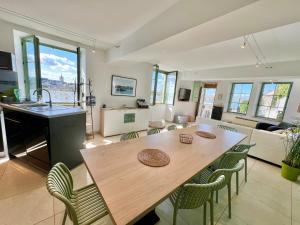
[207, 100]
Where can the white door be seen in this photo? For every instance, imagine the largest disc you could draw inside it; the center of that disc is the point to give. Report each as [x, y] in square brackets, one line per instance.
[207, 102]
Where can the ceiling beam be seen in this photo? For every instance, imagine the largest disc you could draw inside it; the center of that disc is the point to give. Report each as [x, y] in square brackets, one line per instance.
[258, 16]
[290, 69]
[182, 16]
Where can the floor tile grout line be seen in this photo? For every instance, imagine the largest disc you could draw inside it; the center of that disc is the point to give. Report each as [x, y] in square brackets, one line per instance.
[22, 192]
[42, 220]
[223, 213]
[4, 171]
[243, 183]
[53, 210]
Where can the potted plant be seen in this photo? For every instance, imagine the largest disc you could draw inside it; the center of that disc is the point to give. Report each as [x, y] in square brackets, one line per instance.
[291, 164]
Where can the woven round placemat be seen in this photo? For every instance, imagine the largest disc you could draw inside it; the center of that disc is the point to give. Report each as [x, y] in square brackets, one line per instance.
[205, 134]
[153, 158]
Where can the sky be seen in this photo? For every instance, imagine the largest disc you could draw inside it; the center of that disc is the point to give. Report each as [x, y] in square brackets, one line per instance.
[54, 63]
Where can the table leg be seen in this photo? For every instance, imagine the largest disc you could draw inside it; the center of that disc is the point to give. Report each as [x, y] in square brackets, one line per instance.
[149, 219]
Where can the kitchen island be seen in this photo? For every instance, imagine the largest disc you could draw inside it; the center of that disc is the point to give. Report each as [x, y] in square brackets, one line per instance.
[44, 135]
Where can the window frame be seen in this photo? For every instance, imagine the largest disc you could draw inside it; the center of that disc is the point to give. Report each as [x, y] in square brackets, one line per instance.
[285, 104]
[231, 94]
[38, 67]
[166, 73]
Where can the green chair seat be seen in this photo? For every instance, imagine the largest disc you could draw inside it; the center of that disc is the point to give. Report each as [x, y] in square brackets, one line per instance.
[185, 125]
[224, 127]
[228, 165]
[244, 149]
[130, 135]
[83, 206]
[192, 196]
[172, 127]
[88, 204]
[208, 175]
[153, 131]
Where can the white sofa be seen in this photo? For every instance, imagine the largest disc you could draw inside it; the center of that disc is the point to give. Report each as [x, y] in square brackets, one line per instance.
[242, 129]
[269, 145]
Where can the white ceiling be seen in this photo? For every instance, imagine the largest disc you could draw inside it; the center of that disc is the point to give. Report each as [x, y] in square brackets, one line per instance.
[280, 44]
[108, 21]
[203, 36]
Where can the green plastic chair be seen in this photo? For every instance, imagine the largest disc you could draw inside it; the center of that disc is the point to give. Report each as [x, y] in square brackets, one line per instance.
[243, 148]
[130, 135]
[192, 196]
[228, 165]
[153, 131]
[230, 159]
[172, 127]
[185, 125]
[227, 128]
[83, 206]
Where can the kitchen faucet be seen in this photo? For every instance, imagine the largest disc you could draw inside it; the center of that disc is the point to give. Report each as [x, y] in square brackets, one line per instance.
[43, 89]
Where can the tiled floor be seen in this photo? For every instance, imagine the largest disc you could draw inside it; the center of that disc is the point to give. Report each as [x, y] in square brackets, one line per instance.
[266, 199]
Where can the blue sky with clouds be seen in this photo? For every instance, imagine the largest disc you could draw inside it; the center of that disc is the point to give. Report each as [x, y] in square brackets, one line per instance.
[56, 62]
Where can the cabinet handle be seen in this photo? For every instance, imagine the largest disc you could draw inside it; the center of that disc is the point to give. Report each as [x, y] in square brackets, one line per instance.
[12, 120]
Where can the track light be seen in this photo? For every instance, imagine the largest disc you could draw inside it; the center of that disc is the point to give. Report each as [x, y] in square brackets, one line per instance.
[94, 46]
[244, 45]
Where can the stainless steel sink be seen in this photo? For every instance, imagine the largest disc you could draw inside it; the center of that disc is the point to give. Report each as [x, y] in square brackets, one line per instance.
[47, 108]
[26, 105]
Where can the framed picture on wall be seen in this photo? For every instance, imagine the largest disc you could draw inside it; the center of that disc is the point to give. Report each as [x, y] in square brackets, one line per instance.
[123, 86]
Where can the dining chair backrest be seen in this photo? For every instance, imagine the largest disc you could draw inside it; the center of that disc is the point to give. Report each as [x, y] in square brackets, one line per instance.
[230, 159]
[185, 125]
[153, 131]
[243, 147]
[227, 173]
[130, 135]
[227, 128]
[172, 127]
[193, 196]
[60, 185]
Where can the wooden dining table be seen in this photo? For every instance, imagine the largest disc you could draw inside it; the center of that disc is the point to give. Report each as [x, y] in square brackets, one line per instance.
[131, 189]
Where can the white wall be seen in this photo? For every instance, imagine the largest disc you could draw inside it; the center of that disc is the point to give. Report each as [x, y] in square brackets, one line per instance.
[181, 107]
[96, 69]
[100, 73]
[167, 112]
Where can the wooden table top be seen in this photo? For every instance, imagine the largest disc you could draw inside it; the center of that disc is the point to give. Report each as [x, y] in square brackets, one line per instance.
[131, 189]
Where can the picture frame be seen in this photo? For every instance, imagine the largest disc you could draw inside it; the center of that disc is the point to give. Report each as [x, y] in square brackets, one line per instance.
[123, 86]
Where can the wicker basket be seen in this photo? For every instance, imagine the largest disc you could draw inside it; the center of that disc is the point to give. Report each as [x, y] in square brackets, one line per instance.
[186, 138]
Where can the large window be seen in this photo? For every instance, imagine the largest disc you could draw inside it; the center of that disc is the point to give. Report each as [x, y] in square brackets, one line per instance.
[58, 73]
[239, 98]
[163, 87]
[273, 100]
[52, 68]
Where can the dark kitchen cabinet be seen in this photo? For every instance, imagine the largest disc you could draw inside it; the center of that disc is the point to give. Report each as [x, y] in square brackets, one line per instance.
[45, 141]
[6, 61]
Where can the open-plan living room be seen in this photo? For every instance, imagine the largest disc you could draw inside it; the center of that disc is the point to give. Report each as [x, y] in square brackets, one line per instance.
[139, 112]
